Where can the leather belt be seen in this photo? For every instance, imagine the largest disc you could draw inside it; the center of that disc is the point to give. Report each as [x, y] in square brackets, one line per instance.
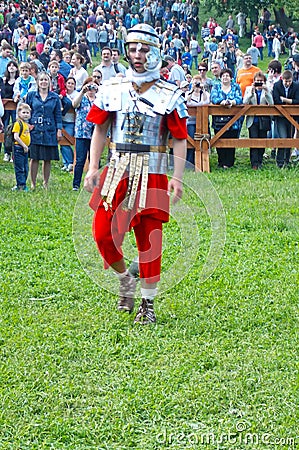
[137, 148]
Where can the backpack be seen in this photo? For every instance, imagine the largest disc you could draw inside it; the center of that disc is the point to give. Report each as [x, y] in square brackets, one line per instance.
[31, 29]
[9, 136]
[288, 64]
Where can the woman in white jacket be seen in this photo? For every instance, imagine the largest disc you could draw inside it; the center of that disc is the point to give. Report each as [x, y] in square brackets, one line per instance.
[78, 71]
[258, 94]
[276, 48]
[1, 109]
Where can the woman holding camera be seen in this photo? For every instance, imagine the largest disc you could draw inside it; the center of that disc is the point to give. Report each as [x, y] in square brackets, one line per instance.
[83, 129]
[258, 94]
[202, 72]
[197, 96]
[227, 94]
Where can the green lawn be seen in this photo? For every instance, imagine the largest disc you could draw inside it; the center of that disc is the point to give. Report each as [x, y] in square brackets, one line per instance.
[220, 368]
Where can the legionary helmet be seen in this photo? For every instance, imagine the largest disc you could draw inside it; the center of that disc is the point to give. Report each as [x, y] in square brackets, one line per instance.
[143, 33]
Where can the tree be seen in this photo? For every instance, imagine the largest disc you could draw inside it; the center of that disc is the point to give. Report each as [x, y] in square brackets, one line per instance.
[249, 6]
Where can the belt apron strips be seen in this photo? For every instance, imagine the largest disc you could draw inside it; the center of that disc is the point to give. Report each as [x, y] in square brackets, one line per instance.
[135, 156]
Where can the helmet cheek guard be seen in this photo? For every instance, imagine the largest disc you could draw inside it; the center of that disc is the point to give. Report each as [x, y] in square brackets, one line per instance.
[145, 34]
[153, 59]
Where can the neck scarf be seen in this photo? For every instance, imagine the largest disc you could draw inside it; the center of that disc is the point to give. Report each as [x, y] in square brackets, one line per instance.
[140, 78]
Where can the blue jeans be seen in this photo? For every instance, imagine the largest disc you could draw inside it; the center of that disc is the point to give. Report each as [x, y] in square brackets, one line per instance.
[22, 56]
[21, 166]
[261, 53]
[120, 46]
[195, 61]
[66, 150]
[82, 150]
[273, 133]
[112, 44]
[93, 46]
[190, 157]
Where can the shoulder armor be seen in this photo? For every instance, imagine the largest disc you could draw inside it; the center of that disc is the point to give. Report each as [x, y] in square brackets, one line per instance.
[109, 97]
[170, 86]
[116, 80]
[178, 103]
[170, 98]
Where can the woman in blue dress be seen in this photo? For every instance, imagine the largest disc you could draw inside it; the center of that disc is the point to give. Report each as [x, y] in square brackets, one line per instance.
[46, 122]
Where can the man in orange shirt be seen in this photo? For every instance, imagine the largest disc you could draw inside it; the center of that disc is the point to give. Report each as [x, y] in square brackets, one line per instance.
[246, 74]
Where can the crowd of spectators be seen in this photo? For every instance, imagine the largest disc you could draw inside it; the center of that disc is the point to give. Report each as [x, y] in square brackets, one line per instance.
[62, 38]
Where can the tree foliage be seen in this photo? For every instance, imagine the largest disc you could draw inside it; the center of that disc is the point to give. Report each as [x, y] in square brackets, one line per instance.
[249, 7]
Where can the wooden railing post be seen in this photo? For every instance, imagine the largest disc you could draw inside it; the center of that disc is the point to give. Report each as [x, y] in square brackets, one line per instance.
[202, 140]
[197, 146]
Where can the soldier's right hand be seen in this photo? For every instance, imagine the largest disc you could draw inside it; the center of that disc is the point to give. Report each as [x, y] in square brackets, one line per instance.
[91, 180]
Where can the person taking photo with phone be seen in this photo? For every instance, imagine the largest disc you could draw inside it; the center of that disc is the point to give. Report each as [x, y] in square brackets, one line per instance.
[258, 94]
[83, 129]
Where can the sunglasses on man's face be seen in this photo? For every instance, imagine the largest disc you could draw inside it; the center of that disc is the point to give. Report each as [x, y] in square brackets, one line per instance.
[202, 70]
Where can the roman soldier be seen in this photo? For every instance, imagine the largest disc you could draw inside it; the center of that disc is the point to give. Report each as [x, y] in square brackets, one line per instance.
[133, 191]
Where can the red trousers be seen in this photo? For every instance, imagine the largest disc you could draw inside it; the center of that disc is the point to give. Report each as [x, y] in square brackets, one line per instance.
[148, 234]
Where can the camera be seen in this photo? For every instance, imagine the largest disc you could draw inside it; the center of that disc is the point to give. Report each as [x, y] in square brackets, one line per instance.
[92, 87]
[258, 83]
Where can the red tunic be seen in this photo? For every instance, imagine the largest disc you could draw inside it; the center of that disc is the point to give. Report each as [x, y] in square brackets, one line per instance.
[157, 202]
[109, 227]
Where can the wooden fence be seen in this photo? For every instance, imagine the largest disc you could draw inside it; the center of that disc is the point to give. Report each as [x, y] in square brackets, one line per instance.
[11, 106]
[202, 141]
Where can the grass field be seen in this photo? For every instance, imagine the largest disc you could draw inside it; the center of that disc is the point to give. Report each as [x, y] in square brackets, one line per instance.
[220, 368]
